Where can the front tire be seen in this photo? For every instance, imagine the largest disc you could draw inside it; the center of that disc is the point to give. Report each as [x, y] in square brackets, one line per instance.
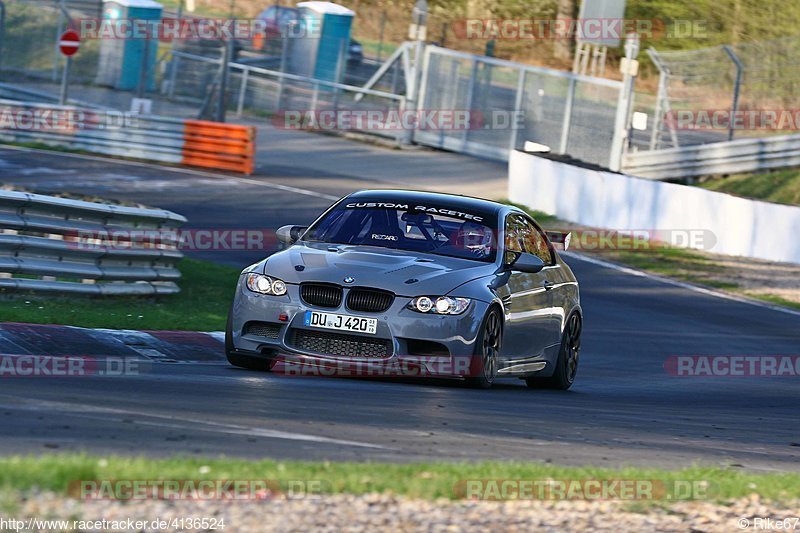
[567, 364]
[487, 351]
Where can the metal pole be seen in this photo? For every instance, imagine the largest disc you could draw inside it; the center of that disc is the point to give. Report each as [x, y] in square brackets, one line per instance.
[173, 64]
[242, 92]
[621, 126]
[2, 32]
[736, 87]
[512, 145]
[56, 51]
[223, 80]
[141, 87]
[339, 73]
[284, 54]
[380, 42]
[62, 99]
[566, 123]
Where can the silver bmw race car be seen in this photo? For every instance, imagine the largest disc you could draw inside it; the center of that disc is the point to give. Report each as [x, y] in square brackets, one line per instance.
[413, 284]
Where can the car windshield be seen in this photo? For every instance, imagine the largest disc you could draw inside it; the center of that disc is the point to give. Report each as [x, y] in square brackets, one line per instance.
[434, 229]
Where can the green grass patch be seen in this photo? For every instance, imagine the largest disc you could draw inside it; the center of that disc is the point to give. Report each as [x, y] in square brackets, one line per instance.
[418, 480]
[781, 186]
[771, 298]
[202, 305]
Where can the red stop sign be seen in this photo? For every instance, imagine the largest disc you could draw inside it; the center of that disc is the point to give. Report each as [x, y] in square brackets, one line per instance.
[69, 42]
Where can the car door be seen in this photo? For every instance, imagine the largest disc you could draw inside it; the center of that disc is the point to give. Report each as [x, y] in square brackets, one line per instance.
[526, 298]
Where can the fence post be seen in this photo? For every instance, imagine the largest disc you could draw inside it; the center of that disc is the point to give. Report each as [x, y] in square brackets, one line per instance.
[736, 87]
[380, 42]
[242, 91]
[227, 52]
[512, 145]
[2, 32]
[624, 102]
[59, 31]
[470, 92]
[567, 121]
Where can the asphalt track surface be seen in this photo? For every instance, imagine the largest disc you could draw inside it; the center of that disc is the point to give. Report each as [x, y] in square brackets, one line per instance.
[625, 408]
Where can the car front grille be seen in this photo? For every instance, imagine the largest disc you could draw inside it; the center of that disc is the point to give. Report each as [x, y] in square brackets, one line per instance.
[262, 329]
[321, 294]
[340, 344]
[369, 300]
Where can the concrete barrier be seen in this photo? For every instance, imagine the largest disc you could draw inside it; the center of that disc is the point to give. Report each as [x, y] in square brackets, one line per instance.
[741, 227]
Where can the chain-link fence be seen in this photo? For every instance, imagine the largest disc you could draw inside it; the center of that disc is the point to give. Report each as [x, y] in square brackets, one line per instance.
[516, 103]
[30, 33]
[571, 114]
[723, 81]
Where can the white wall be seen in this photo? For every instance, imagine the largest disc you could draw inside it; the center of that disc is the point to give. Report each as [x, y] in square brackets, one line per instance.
[618, 202]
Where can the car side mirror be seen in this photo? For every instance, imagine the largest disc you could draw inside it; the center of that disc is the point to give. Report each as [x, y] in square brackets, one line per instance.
[289, 235]
[528, 263]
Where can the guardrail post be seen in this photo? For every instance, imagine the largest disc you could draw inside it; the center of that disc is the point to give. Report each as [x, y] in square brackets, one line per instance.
[736, 88]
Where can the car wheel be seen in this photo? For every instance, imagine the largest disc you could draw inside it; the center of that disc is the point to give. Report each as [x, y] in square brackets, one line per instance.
[568, 355]
[243, 361]
[487, 351]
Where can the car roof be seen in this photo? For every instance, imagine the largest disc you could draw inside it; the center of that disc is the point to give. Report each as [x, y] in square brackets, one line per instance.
[451, 200]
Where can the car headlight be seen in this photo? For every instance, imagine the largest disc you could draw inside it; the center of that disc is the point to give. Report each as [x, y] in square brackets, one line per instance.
[265, 285]
[442, 305]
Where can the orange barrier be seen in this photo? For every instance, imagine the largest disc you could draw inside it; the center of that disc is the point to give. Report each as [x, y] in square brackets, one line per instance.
[219, 146]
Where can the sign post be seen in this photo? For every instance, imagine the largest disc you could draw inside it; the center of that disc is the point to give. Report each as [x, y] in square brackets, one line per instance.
[68, 45]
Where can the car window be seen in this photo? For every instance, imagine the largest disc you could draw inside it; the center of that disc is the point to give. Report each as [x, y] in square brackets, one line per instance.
[440, 231]
[522, 236]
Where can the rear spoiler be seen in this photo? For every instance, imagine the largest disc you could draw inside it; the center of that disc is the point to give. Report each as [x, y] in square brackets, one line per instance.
[559, 237]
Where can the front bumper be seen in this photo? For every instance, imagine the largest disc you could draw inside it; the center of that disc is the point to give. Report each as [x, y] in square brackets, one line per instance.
[407, 335]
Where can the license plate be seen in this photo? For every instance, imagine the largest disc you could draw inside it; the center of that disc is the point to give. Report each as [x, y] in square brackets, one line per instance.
[315, 319]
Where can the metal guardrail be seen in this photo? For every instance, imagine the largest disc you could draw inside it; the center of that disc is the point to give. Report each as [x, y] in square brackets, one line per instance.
[148, 137]
[742, 155]
[52, 244]
[263, 89]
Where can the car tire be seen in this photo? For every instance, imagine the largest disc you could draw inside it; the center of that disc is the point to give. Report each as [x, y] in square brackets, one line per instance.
[242, 361]
[568, 356]
[485, 361]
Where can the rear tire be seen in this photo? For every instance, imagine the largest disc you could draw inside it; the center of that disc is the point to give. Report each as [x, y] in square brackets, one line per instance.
[487, 351]
[567, 364]
[243, 361]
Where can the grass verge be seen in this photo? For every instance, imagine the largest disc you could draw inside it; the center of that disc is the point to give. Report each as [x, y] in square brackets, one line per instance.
[202, 304]
[780, 186]
[418, 480]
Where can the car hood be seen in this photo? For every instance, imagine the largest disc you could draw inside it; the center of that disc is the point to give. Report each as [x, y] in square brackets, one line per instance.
[402, 272]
